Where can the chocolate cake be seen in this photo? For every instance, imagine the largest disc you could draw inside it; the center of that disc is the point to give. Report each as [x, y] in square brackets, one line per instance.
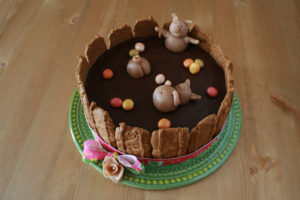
[135, 132]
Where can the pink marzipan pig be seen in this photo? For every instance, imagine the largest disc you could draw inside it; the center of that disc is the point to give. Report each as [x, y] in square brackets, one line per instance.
[177, 39]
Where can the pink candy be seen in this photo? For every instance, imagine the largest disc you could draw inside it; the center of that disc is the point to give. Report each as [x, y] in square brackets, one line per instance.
[116, 102]
[212, 91]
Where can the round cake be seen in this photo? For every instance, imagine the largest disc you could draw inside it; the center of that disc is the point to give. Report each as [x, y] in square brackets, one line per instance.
[136, 132]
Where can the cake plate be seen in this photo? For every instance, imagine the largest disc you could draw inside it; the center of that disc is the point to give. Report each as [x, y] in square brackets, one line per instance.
[167, 176]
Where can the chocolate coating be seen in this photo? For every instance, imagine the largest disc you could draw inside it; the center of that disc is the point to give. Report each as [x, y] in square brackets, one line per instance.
[145, 115]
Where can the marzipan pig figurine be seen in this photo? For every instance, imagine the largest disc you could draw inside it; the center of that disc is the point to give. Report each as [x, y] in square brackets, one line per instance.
[176, 38]
[167, 98]
[138, 66]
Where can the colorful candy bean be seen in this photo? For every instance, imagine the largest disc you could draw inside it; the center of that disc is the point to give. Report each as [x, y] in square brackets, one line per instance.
[187, 62]
[133, 52]
[164, 123]
[200, 62]
[107, 74]
[116, 102]
[194, 68]
[159, 79]
[212, 91]
[139, 46]
[128, 104]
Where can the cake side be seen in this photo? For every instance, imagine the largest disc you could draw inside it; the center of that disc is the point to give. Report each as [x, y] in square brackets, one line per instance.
[81, 74]
[185, 145]
[218, 54]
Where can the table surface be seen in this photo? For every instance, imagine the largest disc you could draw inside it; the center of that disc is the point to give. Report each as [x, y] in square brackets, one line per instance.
[39, 46]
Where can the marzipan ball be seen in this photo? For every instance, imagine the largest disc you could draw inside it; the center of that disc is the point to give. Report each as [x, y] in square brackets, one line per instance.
[159, 79]
[140, 47]
[168, 82]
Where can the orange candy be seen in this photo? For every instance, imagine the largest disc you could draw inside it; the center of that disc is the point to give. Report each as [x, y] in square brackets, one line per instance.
[164, 123]
[107, 74]
[187, 62]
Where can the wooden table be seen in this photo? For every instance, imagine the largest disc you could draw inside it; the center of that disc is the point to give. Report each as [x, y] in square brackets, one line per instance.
[39, 46]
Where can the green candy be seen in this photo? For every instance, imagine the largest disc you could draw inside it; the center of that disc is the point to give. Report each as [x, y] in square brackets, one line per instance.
[133, 52]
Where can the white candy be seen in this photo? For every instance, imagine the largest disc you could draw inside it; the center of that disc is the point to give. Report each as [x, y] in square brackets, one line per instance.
[168, 82]
[159, 79]
[140, 47]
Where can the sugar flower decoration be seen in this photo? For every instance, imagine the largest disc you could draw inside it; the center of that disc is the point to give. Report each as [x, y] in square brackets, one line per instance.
[112, 169]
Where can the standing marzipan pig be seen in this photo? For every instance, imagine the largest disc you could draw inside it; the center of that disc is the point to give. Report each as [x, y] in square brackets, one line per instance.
[176, 38]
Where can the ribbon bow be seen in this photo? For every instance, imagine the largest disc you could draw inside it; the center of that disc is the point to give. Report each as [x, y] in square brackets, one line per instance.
[93, 151]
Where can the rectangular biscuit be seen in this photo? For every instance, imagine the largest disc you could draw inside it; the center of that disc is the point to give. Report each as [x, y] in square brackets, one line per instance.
[133, 140]
[145, 28]
[202, 133]
[217, 53]
[81, 74]
[224, 109]
[204, 39]
[104, 125]
[94, 49]
[117, 36]
[170, 142]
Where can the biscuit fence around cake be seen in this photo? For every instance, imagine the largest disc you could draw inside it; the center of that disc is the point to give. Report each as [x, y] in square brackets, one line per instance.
[168, 176]
[159, 161]
[145, 28]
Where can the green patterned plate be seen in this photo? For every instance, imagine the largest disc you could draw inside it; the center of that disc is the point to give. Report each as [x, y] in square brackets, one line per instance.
[168, 176]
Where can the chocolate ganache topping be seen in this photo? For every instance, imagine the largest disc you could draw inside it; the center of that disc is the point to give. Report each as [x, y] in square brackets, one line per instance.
[162, 61]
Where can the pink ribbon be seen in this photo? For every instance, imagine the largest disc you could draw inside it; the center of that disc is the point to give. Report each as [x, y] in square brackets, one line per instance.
[93, 151]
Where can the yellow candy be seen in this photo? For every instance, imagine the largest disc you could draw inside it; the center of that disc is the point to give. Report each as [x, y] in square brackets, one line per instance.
[200, 62]
[194, 68]
[128, 104]
[133, 52]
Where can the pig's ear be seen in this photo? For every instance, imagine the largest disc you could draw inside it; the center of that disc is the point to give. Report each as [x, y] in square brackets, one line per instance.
[188, 22]
[188, 82]
[174, 16]
[176, 98]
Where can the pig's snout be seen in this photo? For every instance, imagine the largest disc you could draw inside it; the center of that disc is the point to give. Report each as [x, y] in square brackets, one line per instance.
[176, 29]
